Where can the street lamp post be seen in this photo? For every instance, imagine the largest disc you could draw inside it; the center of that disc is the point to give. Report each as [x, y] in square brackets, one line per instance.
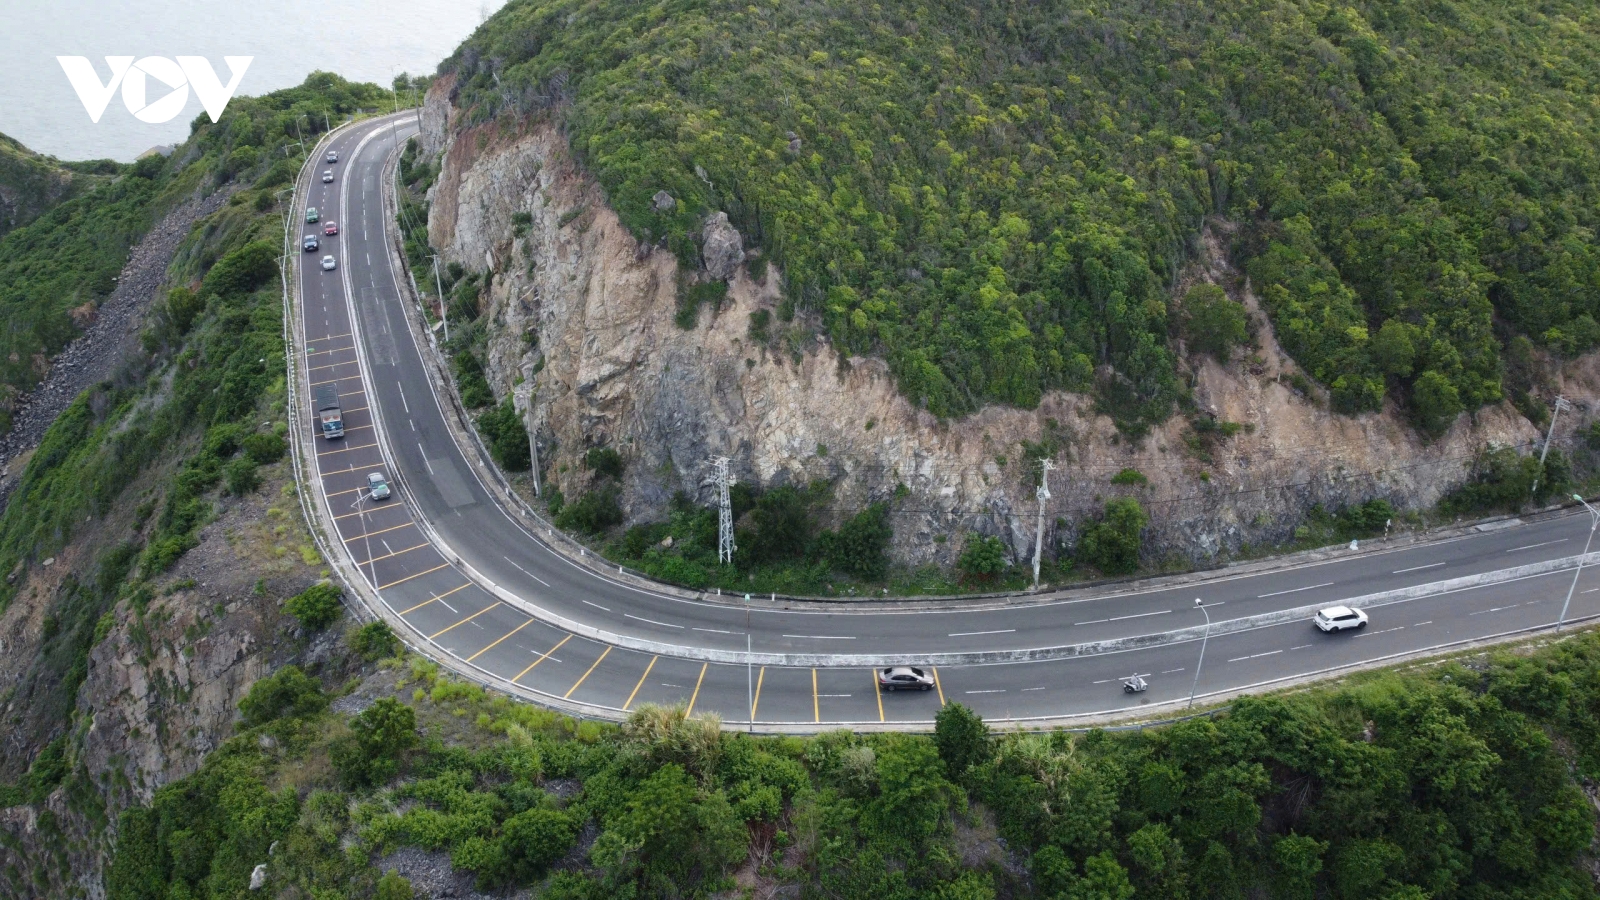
[524, 393]
[366, 539]
[1594, 522]
[749, 668]
[1200, 605]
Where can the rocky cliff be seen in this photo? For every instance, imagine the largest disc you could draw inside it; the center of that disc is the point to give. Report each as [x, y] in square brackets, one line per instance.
[578, 292]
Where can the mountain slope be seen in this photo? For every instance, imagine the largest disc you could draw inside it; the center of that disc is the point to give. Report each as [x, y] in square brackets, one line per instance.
[995, 198]
[31, 184]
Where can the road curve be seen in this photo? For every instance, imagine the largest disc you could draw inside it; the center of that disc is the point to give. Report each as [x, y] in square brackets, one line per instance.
[472, 583]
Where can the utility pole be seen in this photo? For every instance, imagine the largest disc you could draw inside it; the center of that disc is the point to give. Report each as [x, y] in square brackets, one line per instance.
[1561, 403]
[1043, 493]
[444, 308]
[525, 394]
[299, 133]
[725, 510]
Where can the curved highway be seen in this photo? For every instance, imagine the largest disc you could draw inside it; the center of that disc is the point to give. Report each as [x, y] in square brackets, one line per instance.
[470, 581]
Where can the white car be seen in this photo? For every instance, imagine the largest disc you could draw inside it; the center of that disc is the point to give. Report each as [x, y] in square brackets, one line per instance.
[328, 263]
[1339, 618]
[327, 176]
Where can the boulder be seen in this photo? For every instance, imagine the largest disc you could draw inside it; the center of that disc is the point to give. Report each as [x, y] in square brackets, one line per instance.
[722, 248]
[663, 202]
[258, 877]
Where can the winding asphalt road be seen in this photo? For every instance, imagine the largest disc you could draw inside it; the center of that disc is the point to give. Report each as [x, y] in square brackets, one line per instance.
[474, 582]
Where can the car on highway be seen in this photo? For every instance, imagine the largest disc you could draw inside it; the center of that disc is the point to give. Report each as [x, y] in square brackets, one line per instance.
[328, 262]
[904, 678]
[311, 214]
[333, 156]
[327, 176]
[330, 229]
[309, 243]
[1339, 618]
[377, 486]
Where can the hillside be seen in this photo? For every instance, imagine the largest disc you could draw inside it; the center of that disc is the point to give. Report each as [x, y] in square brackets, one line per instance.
[996, 198]
[1454, 782]
[30, 184]
[154, 536]
[1236, 271]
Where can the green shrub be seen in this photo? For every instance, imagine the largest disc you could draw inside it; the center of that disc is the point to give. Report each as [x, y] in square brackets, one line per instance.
[286, 693]
[317, 606]
[264, 447]
[760, 326]
[962, 739]
[393, 887]
[982, 558]
[475, 392]
[242, 271]
[241, 476]
[1112, 543]
[604, 461]
[593, 513]
[532, 841]
[1130, 477]
[379, 736]
[861, 545]
[506, 436]
[374, 641]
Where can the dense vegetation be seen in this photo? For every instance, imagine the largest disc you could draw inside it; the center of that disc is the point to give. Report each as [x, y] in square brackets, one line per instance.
[996, 197]
[31, 184]
[783, 543]
[1456, 782]
[146, 457]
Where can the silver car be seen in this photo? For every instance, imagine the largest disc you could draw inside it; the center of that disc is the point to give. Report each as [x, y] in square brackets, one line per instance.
[377, 486]
[327, 176]
[904, 678]
[328, 263]
[333, 156]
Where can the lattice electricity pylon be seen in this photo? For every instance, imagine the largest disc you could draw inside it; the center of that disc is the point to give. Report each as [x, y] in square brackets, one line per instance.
[725, 546]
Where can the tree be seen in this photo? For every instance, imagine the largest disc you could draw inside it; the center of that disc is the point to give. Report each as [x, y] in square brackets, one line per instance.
[962, 739]
[370, 754]
[1436, 401]
[860, 546]
[1296, 860]
[982, 558]
[781, 527]
[1394, 348]
[1112, 544]
[913, 795]
[1212, 323]
[317, 606]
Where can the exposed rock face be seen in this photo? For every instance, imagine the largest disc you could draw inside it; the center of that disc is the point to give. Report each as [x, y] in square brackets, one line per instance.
[723, 250]
[162, 688]
[617, 372]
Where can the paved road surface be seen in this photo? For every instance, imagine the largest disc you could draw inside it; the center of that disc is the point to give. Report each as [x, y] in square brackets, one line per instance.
[357, 337]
